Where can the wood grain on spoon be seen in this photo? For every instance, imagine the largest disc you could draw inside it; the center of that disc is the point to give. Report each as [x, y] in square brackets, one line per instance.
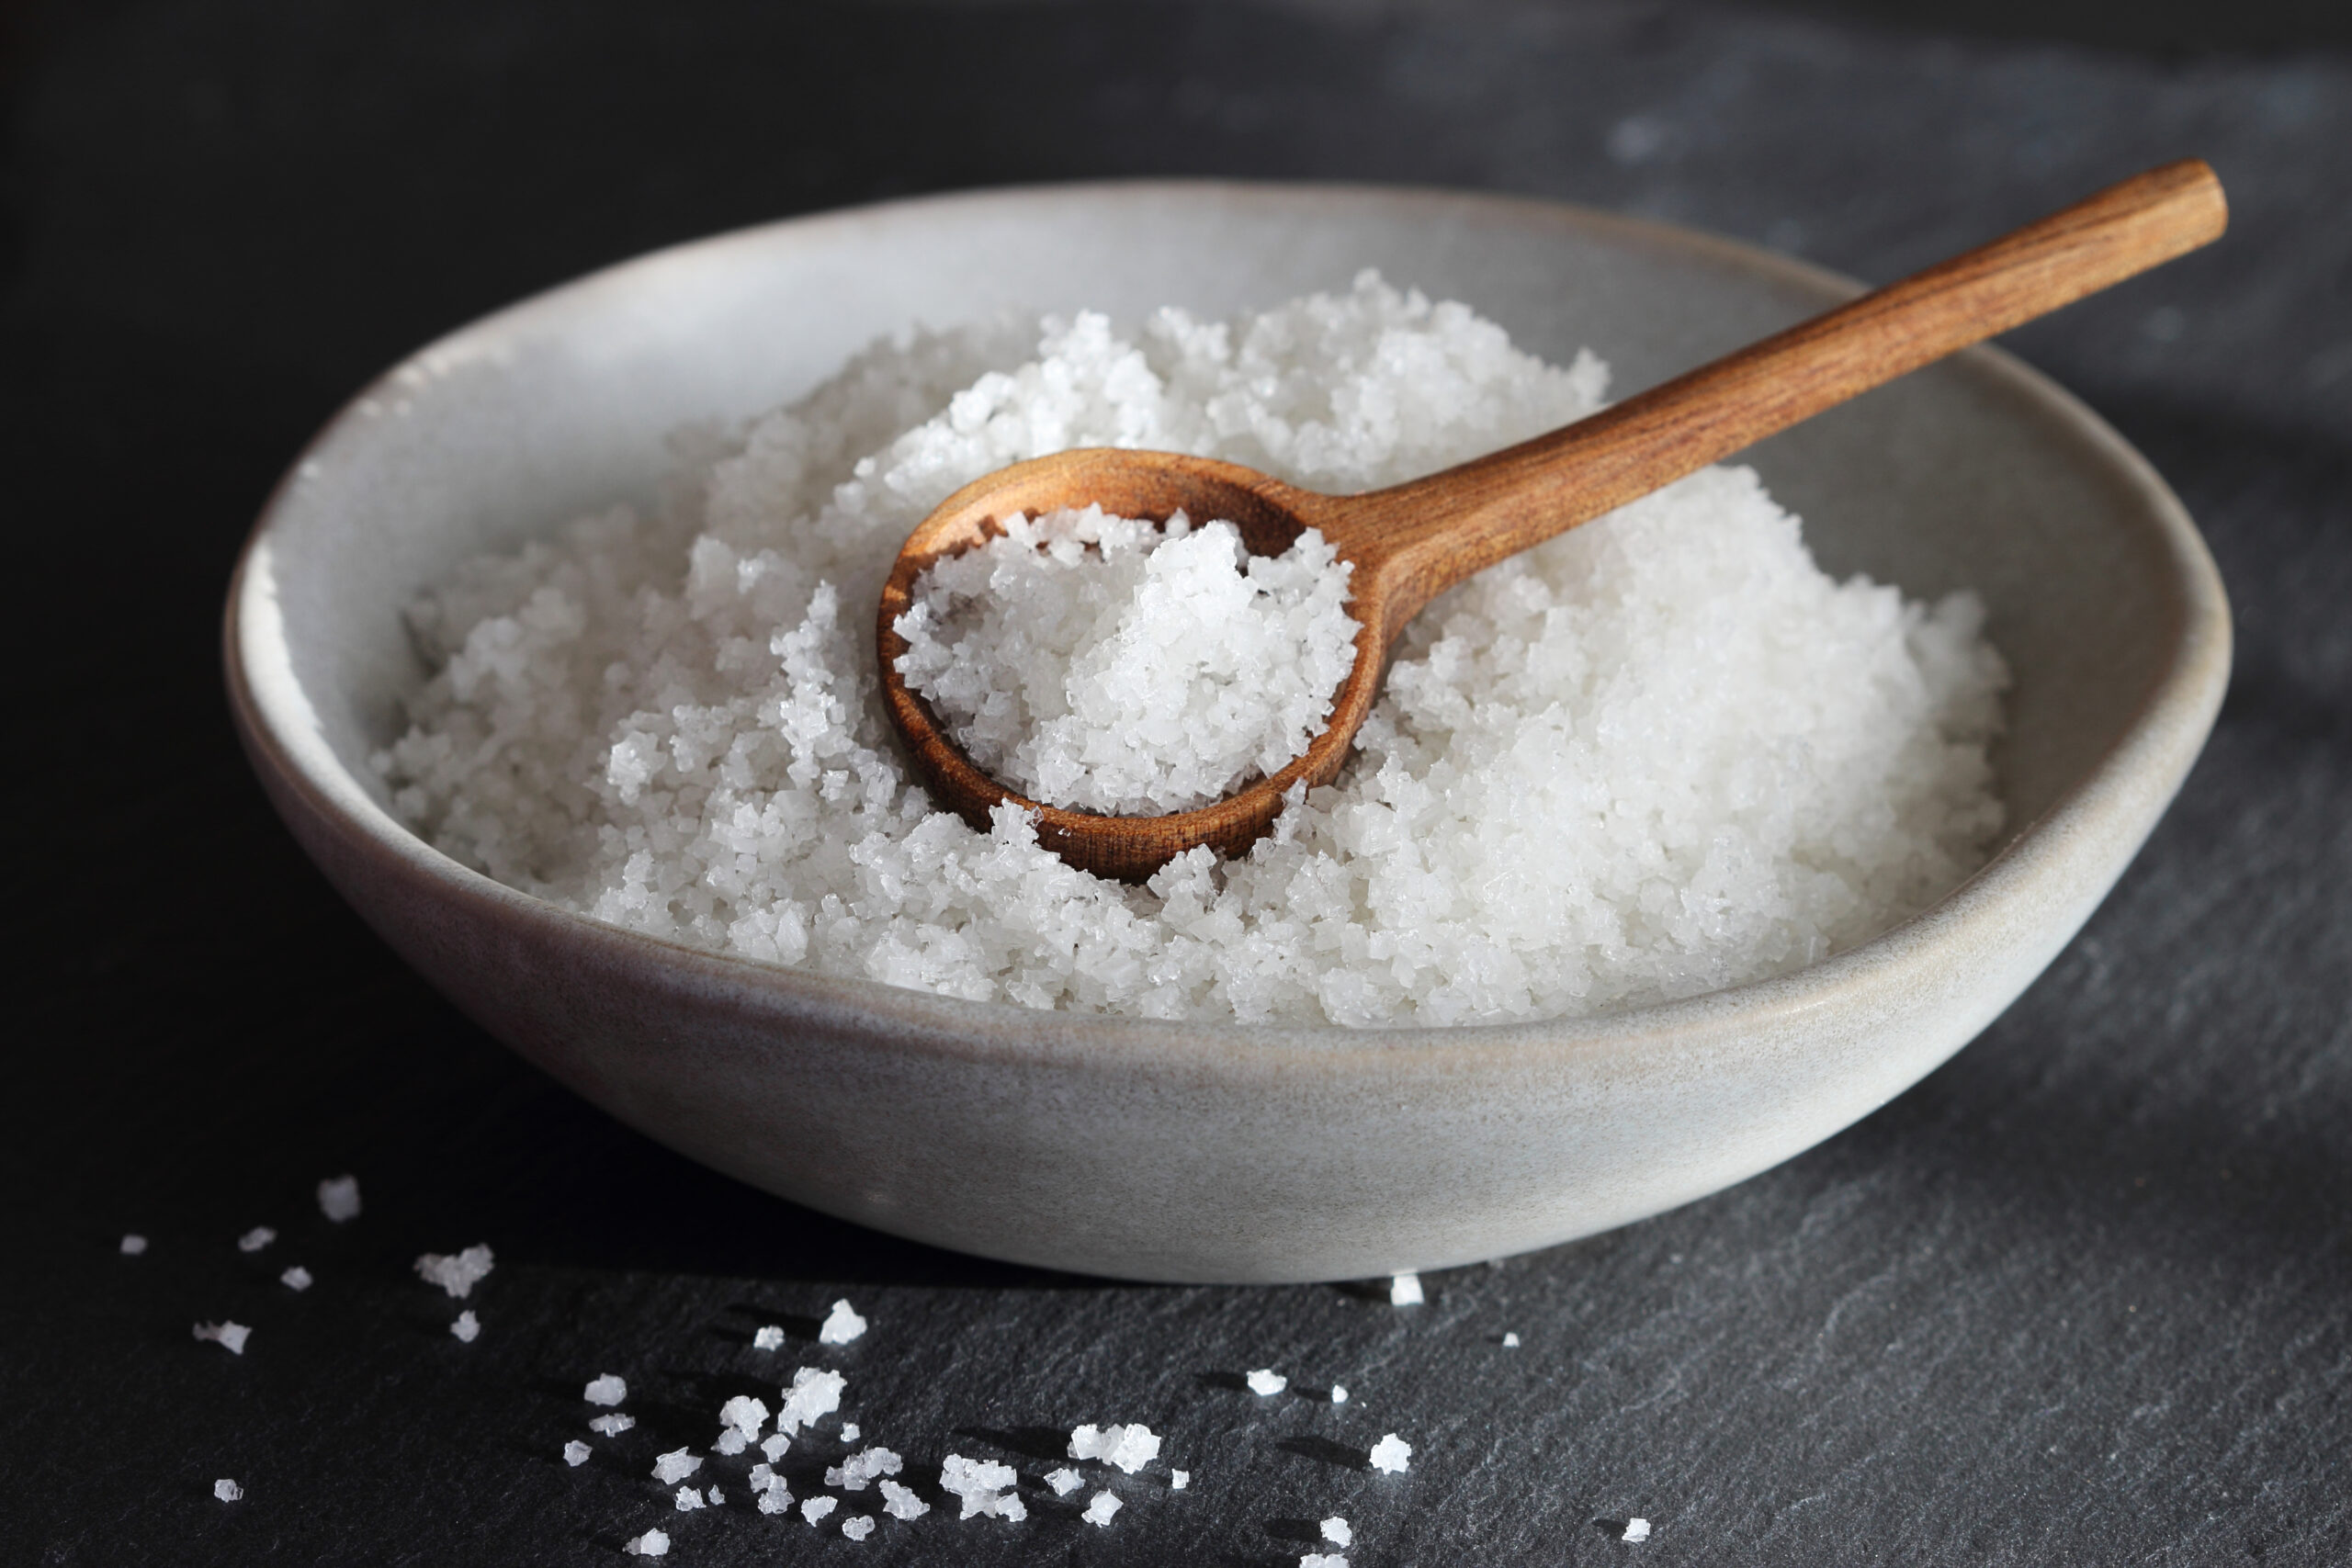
[1413, 541]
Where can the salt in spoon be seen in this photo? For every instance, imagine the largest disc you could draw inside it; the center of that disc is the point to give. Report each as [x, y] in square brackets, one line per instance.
[1411, 542]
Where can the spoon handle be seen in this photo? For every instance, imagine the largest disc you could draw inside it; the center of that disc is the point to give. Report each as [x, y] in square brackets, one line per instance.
[1423, 537]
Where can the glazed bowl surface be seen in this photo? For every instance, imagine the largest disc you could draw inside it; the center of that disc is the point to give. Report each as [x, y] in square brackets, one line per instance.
[1152, 1150]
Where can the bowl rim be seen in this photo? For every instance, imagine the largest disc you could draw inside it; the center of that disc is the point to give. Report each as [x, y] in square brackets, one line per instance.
[2163, 733]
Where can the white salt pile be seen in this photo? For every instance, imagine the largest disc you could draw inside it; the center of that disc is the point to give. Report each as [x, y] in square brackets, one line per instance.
[1391, 1454]
[1404, 1291]
[812, 1394]
[339, 1198]
[900, 1502]
[575, 1453]
[1104, 664]
[256, 1239]
[857, 1529]
[1336, 1530]
[1266, 1382]
[859, 1469]
[1099, 1509]
[984, 1485]
[612, 1425]
[457, 1275]
[652, 1543]
[768, 1339]
[841, 1325]
[1129, 1447]
[467, 1327]
[675, 1465]
[1637, 1530]
[133, 1244]
[1659, 755]
[230, 1336]
[296, 1278]
[816, 1509]
[227, 1491]
[606, 1388]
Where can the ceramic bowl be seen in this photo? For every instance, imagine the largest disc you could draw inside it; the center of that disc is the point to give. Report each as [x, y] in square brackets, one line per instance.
[1151, 1150]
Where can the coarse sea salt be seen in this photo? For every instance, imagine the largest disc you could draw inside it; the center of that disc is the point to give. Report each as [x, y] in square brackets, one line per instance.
[1099, 1509]
[1659, 755]
[1339, 1394]
[1266, 1382]
[774, 1444]
[1108, 664]
[772, 1495]
[1336, 1530]
[675, 1465]
[1064, 1481]
[459, 1273]
[688, 1499]
[652, 1543]
[575, 1453]
[744, 1413]
[606, 1388]
[1391, 1454]
[984, 1486]
[900, 1502]
[1129, 1447]
[768, 1339]
[1510, 1341]
[230, 1336]
[816, 1509]
[1404, 1291]
[227, 1490]
[133, 1244]
[339, 1198]
[1322, 1560]
[612, 1425]
[296, 1278]
[256, 1239]
[849, 1431]
[1178, 1479]
[855, 1472]
[1636, 1530]
[841, 1325]
[812, 1394]
[859, 1528]
[467, 1327]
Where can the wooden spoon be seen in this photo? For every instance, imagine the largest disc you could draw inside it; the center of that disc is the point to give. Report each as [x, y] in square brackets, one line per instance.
[1411, 542]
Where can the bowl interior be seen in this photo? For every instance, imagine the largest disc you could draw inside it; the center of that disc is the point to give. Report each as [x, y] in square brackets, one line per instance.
[1964, 475]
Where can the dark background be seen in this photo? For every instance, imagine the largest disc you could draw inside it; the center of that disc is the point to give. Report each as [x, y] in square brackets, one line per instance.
[2079, 1297]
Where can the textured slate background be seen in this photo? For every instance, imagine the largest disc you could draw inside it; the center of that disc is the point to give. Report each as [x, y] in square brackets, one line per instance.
[2079, 1297]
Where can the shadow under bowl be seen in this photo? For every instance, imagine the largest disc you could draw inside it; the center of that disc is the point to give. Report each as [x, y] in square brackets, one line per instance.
[1150, 1150]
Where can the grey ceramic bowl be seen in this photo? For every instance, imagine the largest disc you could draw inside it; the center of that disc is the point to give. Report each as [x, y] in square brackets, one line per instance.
[1172, 1152]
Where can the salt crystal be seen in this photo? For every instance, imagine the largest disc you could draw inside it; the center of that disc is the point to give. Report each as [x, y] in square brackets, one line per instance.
[339, 1198]
[1510, 1341]
[1392, 1453]
[857, 1529]
[816, 1509]
[774, 1444]
[1322, 1560]
[1064, 1481]
[688, 1499]
[256, 1239]
[1336, 1531]
[773, 1495]
[900, 1502]
[745, 1415]
[713, 1494]
[467, 1327]
[858, 1469]
[1129, 1447]
[133, 1244]
[575, 1453]
[982, 1485]
[768, 1339]
[849, 1431]
[227, 1491]
[605, 1390]
[1404, 1291]
[612, 1425]
[1099, 1509]
[841, 1325]
[457, 1275]
[1339, 1394]
[1265, 1381]
[296, 1278]
[1637, 1530]
[230, 1336]
[675, 1465]
[730, 1442]
[1179, 1478]
[761, 1475]
[652, 1543]
[812, 1394]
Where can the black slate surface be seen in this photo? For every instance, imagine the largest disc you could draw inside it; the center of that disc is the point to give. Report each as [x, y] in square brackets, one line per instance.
[2079, 1297]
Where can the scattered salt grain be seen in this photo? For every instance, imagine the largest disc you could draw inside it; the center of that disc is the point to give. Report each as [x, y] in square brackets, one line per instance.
[575, 1453]
[1336, 1531]
[1107, 664]
[1099, 1509]
[713, 1495]
[1391, 1454]
[768, 1339]
[841, 1325]
[1064, 1481]
[816, 1509]
[982, 1485]
[467, 1327]
[296, 1278]
[688, 1499]
[774, 1495]
[1179, 1478]
[900, 1502]
[812, 1394]
[339, 1198]
[229, 1336]
[1637, 1530]
[1265, 1381]
[256, 1239]
[1129, 1447]
[605, 1390]
[133, 1244]
[675, 1465]
[774, 1444]
[457, 1275]
[652, 1543]
[730, 1442]
[227, 1491]
[1322, 1560]
[855, 1472]
[1339, 1394]
[612, 1425]
[850, 1431]
[1510, 1341]
[1404, 1291]
[745, 1415]
[761, 1475]
[857, 1529]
